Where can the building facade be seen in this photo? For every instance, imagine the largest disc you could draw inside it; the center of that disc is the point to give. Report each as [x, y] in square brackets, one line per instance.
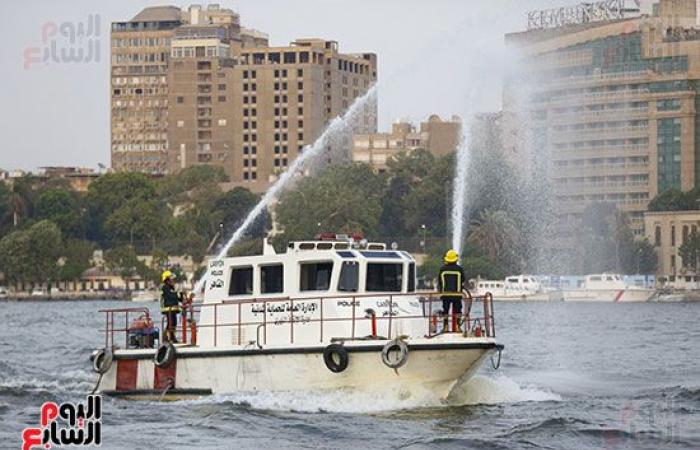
[613, 107]
[235, 102]
[435, 135]
[668, 231]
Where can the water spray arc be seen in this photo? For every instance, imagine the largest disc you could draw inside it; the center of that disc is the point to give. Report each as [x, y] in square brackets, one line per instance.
[459, 194]
[309, 153]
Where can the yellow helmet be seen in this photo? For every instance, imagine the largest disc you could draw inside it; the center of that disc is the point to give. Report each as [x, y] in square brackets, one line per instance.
[451, 256]
[167, 274]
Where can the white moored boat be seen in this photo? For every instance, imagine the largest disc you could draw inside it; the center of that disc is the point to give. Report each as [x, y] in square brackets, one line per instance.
[513, 288]
[325, 315]
[606, 287]
[148, 295]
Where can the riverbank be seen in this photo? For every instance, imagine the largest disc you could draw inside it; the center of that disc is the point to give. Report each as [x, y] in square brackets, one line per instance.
[67, 296]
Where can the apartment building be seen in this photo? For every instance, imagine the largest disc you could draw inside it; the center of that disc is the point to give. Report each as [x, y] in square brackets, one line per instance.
[139, 89]
[435, 135]
[234, 101]
[612, 106]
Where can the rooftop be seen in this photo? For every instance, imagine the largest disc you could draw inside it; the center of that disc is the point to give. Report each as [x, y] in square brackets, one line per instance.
[158, 14]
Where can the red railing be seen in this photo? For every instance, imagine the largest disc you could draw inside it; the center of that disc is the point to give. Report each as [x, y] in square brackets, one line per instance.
[188, 331]
[110, 329]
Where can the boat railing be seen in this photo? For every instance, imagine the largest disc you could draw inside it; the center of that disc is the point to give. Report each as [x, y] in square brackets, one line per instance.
[471, 322]
[112, 325]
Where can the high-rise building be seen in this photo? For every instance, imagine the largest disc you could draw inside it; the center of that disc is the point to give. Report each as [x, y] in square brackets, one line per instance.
[611, 103]
[139, 89]
[435, 135]
[235, 102]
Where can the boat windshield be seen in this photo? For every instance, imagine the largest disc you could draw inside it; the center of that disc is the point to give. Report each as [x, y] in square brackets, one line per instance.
[384, 277]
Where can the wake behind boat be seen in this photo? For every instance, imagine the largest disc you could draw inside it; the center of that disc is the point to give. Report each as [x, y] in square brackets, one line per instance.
[325, 315]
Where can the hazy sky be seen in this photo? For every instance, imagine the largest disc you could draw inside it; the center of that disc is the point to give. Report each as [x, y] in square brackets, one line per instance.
[435, 56]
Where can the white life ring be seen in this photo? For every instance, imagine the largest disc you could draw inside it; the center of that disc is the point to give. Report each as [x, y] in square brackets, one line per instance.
[395, 346]
[164, 355]
[102, 360]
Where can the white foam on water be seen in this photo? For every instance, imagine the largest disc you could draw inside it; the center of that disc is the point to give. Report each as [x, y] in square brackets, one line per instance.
[72, 381]
[480, 390]
[485, 390]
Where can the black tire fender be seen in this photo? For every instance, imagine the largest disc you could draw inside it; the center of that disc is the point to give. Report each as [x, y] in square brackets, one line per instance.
[336, 358]
[102, 360]
[164, 355]
[396, 345]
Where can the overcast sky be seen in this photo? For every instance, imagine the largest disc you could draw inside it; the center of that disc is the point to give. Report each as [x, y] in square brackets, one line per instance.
[435, 56]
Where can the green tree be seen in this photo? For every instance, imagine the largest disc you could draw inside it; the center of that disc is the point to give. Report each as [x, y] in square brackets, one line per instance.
[174, 186]
[406, 171]
[430, 200]
[497, 236]
[111, 192]
[5, 208]
[689, 251]
[124, 262]
[342, 198]
[76, 256]
[640, 258]
[139, 222]
[233, 206]
[671, 200]
[31, 255]
[62, 208]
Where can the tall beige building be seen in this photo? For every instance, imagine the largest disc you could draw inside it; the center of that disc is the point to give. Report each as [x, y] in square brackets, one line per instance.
[613, 106]
[232, 100]
[435, 135]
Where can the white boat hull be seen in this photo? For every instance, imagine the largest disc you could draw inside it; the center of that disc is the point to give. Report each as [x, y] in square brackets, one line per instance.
[607, 295]
[538, 297]
[433, 368]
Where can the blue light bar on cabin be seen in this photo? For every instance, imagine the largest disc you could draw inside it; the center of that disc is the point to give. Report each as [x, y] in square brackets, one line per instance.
[369, 254]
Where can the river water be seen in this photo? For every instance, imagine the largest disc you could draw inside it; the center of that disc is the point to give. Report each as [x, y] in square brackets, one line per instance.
[574, 376]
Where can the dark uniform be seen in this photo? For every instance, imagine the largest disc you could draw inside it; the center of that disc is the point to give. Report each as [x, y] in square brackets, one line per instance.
[170, 307]
[450, 285]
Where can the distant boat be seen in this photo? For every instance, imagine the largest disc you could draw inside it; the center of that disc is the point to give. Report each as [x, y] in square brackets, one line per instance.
[512, 288]
[606, 287]
[149, 295]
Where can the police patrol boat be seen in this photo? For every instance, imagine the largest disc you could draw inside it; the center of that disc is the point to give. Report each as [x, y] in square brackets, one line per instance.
[332, 313]
[513, 288]
[606, 287]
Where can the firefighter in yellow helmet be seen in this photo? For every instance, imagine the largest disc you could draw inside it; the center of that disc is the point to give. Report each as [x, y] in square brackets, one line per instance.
[450, 284]
[169, 305]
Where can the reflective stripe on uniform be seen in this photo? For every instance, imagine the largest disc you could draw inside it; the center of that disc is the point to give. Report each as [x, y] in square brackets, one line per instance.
[458, 274]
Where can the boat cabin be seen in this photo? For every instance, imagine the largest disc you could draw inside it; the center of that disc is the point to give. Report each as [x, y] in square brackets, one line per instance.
[312, 269]
[604, 281]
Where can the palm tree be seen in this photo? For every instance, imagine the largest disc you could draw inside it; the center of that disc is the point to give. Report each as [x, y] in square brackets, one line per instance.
[496, 234]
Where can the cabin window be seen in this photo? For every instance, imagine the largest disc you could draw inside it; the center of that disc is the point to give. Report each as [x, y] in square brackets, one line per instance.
[241, 281]
[349, 277]
[315, 276]
[271, 279]
[595, 278]
[512, 280]
[411, 277]
[384, 277]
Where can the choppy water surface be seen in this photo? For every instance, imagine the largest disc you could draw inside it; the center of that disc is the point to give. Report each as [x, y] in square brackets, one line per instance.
[573, 376]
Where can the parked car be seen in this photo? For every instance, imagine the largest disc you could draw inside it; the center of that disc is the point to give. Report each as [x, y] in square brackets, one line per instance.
[38, 293]
[3, 292]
